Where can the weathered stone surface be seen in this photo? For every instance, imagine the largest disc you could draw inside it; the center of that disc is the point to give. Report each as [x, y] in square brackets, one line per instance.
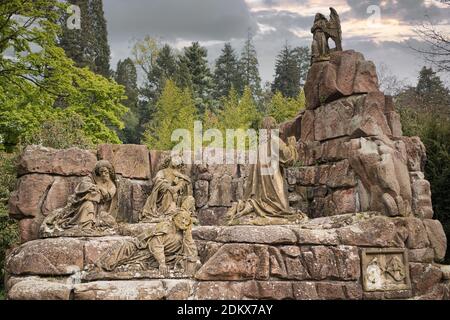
[413, 232]
[95, 247]
[236, 262]
[424, 277]
[50, 257]
[385, 184]
[337, 175]
[274, 290]
[253, 234]
[120, 290]
[339, 290]
[311, 236]
[28, 199]
[425, 255]
[393, 119]
[201, 193]
[421, 193]
[130, 161]
[307, 126]
[59, 193]
[67, 162]
[345, 74]
[178, 289]
[206, 249]
[156, 158]
[220, 186]
[220, 290]
[437, 238]
[132, 195]
[375, 232]
[33, 288]
[416, 153]
[291, 128]
[135, 229]
[304, 290]
[29, 229]
[214, 216]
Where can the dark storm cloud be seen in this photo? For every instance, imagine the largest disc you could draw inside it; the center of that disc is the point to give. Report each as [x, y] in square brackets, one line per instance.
[406, 11]
[172, 19]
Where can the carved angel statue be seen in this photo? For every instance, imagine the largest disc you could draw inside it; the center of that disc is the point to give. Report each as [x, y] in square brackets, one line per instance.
[171, 189]
[322, 30]
[169, 246]
[91, 209]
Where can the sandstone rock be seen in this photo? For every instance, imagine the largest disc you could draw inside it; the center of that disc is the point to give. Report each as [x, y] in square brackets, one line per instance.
[178, 289]
[253, 234]
[201, 193]
[95, 247]
[346, 73]
[29, 229]
[339, 290]
[337, 175]
[384, 177]
[291, 128]
[375, 232]
[120, 290]
[130, 161]
[307, 127]
[221, 193]
[445, 271]
[416, 235]
[220, 290]
[424, 277]
[315, 237]
[425, 255]
[305, 290]
[214, 216]
[236, 262]
[421, 193]
[206, 249]
[416, 153]
[393, 119]
[156, 158]
[67, 162]
[207, 233]
[132, 195]
[29, 197]
[437, 238]
[59, 193]
[39, 289]
[47, 257]
[274, 290]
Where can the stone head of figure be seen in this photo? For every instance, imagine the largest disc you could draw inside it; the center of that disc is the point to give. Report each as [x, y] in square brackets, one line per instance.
[269, 123]
[319, 17]
[104, 170]
[182, 220]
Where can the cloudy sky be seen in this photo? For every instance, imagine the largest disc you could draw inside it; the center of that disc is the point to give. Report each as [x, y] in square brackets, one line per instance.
[382, 30]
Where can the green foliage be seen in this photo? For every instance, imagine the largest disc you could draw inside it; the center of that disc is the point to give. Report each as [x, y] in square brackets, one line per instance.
[283, 109]
[424, 112]
[88, 46]
[290, 71]
[249, 68]
[194, 61]
[8, 227]
[226, 73]
[175, 110]
[239, 113]
[38, 81]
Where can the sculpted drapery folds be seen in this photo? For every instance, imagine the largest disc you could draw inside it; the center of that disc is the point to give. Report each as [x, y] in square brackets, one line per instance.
[171, 189]
[266, 196]
[91, 209]
[168, 244]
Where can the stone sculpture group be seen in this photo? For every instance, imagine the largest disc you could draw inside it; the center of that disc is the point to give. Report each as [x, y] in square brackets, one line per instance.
[346, 214]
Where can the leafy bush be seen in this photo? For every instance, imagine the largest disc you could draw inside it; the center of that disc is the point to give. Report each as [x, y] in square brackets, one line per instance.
[8, 227]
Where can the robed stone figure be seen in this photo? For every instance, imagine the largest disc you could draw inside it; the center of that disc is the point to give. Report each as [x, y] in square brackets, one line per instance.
[266, 196]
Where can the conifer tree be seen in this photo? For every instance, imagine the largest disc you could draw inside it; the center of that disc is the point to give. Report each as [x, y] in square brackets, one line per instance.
[194, 62]
[226, 73]
[88, 46]
[239, 113]
[284, 109]
[126, 75]
[165, 68]
[249, 67]
[287, 73]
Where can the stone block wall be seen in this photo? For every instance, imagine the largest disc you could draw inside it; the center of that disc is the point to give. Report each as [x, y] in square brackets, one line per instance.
[353, 157]
[319, 260]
